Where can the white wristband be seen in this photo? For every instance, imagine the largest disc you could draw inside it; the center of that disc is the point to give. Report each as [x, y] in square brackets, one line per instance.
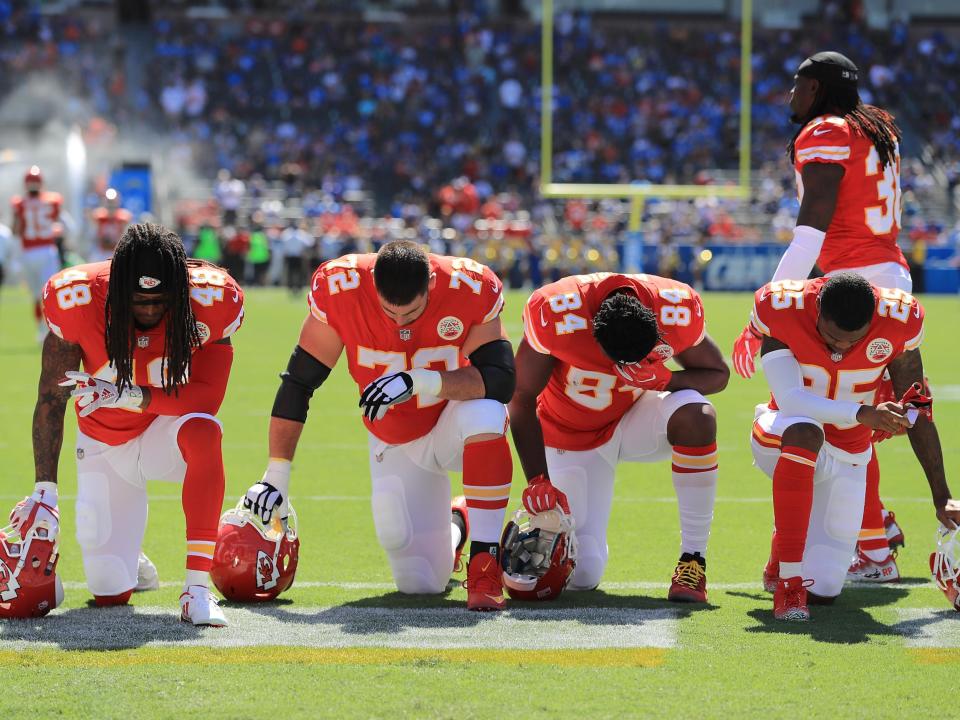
[48, 492]
[426, 382]
[278, 475]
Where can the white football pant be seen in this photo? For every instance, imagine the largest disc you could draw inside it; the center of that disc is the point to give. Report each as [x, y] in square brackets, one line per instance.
[411, 493]
[39, 263]
[112, 499]
[839, 487]
[587, 476]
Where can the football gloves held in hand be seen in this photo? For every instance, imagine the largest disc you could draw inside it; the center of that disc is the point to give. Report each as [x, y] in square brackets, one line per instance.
[745, 349]
[394, 388]
[917, 399]
[540, 496]
[645, 375]
[93, 393]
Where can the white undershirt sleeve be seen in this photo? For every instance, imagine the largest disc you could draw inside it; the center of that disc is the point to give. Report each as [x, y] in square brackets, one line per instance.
[801, 255]
[786, 383]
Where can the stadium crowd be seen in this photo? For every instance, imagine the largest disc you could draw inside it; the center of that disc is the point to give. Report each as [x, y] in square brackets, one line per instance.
[352, 132]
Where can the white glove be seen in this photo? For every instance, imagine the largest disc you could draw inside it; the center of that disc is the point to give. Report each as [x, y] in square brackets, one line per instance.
[41, 507]
[395, 388]
[93, 393]
[270, 494]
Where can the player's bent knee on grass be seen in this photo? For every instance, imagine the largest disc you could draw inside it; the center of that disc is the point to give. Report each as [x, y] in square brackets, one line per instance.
[591, 563]
[693, 424]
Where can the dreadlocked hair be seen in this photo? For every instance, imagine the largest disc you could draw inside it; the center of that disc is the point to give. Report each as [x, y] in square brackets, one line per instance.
[182, 335]
[874, 123]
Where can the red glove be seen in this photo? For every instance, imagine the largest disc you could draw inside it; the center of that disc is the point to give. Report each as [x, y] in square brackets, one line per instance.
[917, 397]
[645, 374]
[540, 495]
[745, 348]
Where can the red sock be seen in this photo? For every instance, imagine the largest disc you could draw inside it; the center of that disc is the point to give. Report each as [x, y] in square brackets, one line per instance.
[199, 441]
[487, 474]
[793, 500]
[873, 537]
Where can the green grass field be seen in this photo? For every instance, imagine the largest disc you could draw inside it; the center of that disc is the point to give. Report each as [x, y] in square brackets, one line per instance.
[341, 643]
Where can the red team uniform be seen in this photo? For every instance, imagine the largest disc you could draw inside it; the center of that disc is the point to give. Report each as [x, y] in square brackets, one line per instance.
[344, 296]
[417, 442]
[74, 302]
[593, 418]
[177, 439]
[110, 225]
[788, 311]
[866, 222]
[586, 398]
[37, 216]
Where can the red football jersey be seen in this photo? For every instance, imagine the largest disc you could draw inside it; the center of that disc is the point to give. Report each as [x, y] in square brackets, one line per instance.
[866, 221]
[37, 216]
[788, 311]
[74, 302]
[344, 296]
[110, 226]
[585, 398]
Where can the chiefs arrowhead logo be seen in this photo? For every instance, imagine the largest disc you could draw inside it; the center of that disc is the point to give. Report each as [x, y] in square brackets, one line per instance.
[267, 573]
[148, 283]
[450, 328]
[879, 350]
[8, 583]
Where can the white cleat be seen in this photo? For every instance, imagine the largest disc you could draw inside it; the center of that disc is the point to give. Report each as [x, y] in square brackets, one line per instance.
[147, 576]
[863, 569]
[199, 606]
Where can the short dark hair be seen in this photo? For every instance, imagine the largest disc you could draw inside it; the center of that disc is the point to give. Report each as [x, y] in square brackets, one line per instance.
[625, 328]
[402, 272]
[847, 299]
[145, 247]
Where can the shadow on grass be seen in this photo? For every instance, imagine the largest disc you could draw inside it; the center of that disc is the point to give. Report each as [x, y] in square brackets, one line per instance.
[845, 622]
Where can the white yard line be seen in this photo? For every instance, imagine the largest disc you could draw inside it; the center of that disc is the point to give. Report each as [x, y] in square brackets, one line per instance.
[929, 627]
[351, 627]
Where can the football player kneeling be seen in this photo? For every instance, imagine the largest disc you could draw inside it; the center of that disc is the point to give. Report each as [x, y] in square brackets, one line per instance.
[538, 553]
[255, 561]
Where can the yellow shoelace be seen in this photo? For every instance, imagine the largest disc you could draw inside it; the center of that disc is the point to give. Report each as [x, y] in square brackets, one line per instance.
[689, 574]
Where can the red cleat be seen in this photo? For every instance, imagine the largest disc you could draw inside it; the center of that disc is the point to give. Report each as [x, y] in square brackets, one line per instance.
[458, 506]
[689, 580]
[484, 583]
[790, 599]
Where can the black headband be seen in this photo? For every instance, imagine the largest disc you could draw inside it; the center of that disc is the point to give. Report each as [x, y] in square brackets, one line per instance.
[149, 269]
[830, 67]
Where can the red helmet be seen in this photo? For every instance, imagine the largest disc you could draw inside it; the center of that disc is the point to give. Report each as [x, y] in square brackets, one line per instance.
[29, 586]
[538, 554]
[945, 564]
[33, 176]
[254, 562]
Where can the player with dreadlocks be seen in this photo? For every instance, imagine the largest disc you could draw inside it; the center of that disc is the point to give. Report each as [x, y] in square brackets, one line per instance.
[152, 330]
[847, 160]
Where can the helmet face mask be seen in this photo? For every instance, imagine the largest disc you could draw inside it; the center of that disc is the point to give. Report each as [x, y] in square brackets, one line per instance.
[538, 554]
[29, 585]
[945, 564]
[254, 562]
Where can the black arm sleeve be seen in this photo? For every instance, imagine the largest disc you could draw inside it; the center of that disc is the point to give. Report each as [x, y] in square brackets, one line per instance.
[303, 375]
[494, 360]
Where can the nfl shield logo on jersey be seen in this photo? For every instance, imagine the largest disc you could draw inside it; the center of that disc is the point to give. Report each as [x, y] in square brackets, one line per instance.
[405, 334]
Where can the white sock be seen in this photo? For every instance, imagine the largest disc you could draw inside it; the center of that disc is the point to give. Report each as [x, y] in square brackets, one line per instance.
[789, 570]
[695, 482]
[196, 577]
[877, 556]
[455, 536]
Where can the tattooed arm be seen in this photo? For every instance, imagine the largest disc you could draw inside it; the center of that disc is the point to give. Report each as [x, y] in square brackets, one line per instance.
[58, 357]
[904, 371]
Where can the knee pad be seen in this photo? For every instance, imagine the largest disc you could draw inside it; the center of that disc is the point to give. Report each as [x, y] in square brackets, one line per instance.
[844, 511]
[416, 576]
[591, 562]
[481, 417]
[827, 566]
[390, 518]
[108, 575]
[93, 511]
